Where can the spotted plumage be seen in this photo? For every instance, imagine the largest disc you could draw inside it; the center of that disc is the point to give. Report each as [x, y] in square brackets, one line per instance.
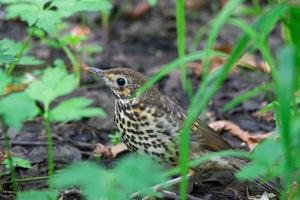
[151, 123]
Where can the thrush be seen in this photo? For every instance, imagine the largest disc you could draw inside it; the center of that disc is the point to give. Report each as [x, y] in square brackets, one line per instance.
[150, 123]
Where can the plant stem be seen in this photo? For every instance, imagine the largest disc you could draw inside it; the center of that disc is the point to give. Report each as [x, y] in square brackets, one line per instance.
[180, 26]
[49, 141]
[12, 65]
[10, 160]
[37, 178]
[74, 62]
[184, 140]
[105, 25]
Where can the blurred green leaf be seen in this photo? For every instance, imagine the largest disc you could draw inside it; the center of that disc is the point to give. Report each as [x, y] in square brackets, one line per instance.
[5, 56]
[18, 162]
[33, 13]
[72, 40]
[114, 138]
[74, 109]
[94, 181]
[47, 14]
[294, 25]
[265, 161]
[15, 47]
[55, 82]
[267, 152]
[29, 60]
[16, 108]
[246, 95]
[37, 195]
[75, 6]
[126, 178]
[269, 107]
[94, 48]
[134, 177]
[152, 2]
[251, 171]
[4, 81]
[286, 80]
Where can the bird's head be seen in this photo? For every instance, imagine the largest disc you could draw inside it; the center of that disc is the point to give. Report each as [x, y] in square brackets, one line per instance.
[123, 82]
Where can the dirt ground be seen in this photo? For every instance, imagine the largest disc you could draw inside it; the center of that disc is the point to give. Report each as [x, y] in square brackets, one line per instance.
[145, 43]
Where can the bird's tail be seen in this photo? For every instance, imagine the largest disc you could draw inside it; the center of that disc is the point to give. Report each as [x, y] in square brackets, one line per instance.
[270, 186]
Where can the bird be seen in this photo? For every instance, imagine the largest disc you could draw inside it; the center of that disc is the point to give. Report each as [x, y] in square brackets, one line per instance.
[150, 123]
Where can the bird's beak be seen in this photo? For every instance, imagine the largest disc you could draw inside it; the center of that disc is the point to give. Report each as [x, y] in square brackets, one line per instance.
[97, 71]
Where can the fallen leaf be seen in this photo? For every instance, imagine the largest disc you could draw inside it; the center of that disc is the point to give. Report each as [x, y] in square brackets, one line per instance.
[139, 10]
[195, 5]
[215, 63]
[235, 130]
[80, 31]
[11, 88]
[267, 116]
[249, 61]
[109, 152]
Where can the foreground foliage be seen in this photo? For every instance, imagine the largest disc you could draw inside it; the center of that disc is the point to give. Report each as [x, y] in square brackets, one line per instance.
[275, 157]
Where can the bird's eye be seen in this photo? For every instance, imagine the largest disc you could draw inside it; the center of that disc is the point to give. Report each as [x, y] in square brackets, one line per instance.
[121, 81]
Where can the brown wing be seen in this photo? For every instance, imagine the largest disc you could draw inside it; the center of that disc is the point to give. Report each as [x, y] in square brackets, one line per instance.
[208, 138]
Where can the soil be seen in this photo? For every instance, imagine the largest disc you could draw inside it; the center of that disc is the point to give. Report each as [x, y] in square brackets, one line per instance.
[145, 44]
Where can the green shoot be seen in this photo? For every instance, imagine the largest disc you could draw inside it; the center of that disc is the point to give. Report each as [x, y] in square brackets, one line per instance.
[37, 13]
[250, 93]
[19, 50]
[56, 82]
[14, 110]
[17, 162]
[38, 195]
[97, 183]
[114, 138]
[180, 24]
[5, 57]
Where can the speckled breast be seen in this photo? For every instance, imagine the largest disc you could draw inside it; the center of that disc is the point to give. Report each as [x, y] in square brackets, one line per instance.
[146, 130]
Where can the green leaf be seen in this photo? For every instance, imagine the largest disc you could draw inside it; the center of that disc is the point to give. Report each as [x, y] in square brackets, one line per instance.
[40, 14]
[152, 3]
[18, 162]
[37, 195]
[17, 108]
[74, 109]
[271, 106]
[246, 95]
[96, 183]
[94, 5]
[267, 152]
[29, 60]
[5, 56]
[44, 22]
[133, 177]
[251, 172]
[55, 82]
[14, 47]
[265, 161]
[92, 179]
[114, 138]
[4, 81]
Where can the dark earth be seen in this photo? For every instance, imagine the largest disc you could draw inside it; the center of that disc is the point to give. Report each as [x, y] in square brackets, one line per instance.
[145, 43]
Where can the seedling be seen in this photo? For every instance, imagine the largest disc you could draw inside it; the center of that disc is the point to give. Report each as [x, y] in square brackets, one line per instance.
[97, 183]
[114, 138]
[46, 15]
[14, 110]
[57, 82]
